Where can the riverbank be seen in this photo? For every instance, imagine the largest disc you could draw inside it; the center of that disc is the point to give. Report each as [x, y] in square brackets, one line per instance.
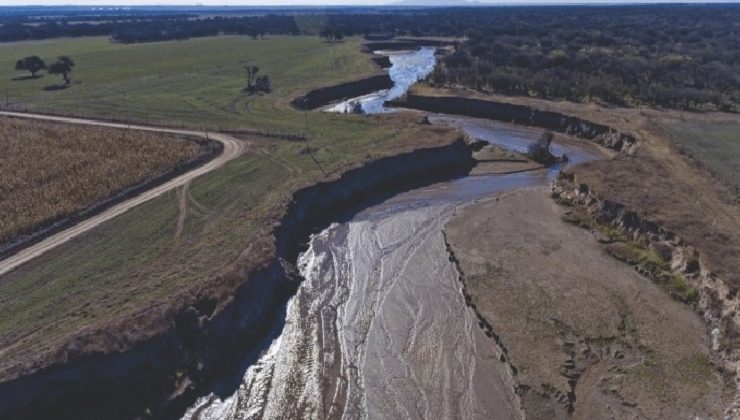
[649, 196]
[656, 178]
[579, 328]
[156, 361]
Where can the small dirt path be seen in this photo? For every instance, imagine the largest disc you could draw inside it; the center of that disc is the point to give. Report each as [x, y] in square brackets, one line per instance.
[233, 148]
[182, 207]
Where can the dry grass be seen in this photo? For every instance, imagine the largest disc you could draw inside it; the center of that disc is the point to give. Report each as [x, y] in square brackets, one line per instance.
[50, 171]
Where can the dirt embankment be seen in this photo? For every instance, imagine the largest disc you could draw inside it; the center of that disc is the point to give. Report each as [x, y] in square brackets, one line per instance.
[382, 61]
[584, 335]
[523, 115]
[405, 44]
[326, 95]
[126, 377]
[672, 263]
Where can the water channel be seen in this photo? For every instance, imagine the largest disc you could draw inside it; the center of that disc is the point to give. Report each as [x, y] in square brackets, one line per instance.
[379, 327]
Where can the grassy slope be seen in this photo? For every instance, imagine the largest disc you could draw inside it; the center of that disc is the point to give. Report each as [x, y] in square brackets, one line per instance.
[135, 262]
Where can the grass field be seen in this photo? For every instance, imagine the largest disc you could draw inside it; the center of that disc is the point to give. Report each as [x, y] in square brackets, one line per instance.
[50, 171]
[196, 82]
[715, 144]
[142, 260]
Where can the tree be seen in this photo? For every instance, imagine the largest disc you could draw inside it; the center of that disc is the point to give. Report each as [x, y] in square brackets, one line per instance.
[539, 151]
[338, 35]
[62, 66]
[331, 34]
[263, 84]
[33, 63]
[251, 76]
[257, 83]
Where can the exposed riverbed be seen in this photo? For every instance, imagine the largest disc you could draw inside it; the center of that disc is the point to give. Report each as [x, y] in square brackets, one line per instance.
[379, 328]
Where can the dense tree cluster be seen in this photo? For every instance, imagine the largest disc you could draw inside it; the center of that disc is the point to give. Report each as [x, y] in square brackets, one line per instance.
[253, 26]
[672, 56]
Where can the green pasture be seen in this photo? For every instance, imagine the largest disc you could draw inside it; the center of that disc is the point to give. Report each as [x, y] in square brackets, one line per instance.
[195, 83]
[714, 144]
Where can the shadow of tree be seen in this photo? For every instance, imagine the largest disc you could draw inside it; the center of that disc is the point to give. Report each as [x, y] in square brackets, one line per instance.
[56, 87]
[26, 77]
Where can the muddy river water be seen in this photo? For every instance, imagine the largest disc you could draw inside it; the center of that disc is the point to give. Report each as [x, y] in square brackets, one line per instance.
[379, 327]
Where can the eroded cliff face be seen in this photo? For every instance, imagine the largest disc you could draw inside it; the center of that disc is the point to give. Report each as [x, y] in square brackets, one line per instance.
[203, 341]
[324, 96]
[523, 115]
[669, 261]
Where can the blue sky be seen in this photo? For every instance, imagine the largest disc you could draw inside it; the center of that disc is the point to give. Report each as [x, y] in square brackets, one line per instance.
[308, 2]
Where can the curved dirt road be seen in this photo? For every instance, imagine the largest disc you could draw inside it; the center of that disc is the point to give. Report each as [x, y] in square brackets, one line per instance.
[232, 149]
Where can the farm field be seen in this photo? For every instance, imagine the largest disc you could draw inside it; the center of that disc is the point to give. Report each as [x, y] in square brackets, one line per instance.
[194, 83]
[51, 171]
[714, 144]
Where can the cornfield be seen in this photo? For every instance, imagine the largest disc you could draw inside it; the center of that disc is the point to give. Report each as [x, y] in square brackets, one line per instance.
[49, 171]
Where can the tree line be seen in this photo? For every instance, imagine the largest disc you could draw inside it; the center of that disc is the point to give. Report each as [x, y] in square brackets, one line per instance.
[151, 29]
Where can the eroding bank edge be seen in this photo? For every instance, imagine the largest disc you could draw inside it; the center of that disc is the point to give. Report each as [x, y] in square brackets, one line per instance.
[676, 266]
[684, 275]
[323, 96]
[200, 342]
[522, 115]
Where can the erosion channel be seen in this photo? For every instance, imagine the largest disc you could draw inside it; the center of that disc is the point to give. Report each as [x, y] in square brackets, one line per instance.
[379, 328]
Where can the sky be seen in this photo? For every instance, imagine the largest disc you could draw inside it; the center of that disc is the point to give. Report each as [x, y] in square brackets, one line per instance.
[312, 2]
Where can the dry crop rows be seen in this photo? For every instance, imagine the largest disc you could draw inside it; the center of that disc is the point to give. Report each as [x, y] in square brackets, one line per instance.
[50, 171]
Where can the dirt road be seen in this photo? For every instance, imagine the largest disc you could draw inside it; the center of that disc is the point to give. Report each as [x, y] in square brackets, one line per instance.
[232, 148]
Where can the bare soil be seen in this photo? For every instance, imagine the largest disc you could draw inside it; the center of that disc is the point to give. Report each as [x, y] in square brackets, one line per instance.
[587, 336]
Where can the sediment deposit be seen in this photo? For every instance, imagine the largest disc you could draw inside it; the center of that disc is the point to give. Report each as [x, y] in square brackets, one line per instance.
[587, 336]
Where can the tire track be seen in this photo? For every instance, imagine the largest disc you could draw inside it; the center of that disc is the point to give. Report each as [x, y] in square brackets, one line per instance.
[232, 148]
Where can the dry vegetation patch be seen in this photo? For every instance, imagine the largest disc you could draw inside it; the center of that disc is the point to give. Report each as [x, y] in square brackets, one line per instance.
[51, 171]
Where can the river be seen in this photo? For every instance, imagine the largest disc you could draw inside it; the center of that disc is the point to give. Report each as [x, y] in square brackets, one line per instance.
[379, 327]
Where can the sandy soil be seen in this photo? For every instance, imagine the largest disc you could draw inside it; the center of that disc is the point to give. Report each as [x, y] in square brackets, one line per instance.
[588, 337]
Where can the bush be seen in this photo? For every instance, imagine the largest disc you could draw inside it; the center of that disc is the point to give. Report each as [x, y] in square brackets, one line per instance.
[539, 151]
